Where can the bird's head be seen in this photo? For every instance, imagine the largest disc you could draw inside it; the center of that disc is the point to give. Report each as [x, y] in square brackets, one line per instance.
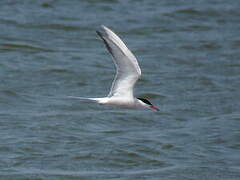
[147, 104]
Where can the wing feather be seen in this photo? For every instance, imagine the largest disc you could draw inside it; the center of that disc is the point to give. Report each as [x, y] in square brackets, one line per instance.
[128, 70]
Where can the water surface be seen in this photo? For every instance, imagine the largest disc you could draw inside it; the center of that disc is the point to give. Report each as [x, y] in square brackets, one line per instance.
[189, 55]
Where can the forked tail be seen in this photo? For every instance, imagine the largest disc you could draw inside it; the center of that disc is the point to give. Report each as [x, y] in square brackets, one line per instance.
[84, 98]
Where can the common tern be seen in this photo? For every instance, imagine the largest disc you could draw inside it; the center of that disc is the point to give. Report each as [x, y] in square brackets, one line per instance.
[127, 74]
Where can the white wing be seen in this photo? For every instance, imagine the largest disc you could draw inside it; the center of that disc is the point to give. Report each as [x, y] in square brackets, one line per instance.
[128, 70]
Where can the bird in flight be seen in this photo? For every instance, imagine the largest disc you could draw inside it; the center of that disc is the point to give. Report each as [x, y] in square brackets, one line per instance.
[127, 74]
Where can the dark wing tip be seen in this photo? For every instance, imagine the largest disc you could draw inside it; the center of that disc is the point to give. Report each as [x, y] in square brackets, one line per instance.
[99, 34]
[105, 42]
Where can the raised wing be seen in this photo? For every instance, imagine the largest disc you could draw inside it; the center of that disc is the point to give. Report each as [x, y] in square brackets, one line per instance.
[128, 70]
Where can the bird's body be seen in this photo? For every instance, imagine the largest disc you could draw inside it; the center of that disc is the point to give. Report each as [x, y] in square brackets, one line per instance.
[125, 103]
[128, 72]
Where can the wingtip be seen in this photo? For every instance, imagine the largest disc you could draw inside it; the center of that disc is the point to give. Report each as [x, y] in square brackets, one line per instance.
[103, 27]
[99, 33]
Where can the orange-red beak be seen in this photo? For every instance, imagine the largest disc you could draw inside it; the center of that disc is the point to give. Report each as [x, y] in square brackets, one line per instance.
[154, 108]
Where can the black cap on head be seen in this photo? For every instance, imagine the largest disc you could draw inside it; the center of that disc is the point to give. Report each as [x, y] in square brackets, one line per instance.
[145, 101]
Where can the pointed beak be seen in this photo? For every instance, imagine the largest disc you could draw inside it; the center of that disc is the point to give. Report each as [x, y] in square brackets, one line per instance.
[154, 108]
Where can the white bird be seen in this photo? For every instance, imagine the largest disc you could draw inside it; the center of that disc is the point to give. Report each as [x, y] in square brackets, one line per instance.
[128, 72]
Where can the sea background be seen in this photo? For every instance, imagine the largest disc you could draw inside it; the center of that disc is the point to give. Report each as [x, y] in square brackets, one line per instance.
[189, 53]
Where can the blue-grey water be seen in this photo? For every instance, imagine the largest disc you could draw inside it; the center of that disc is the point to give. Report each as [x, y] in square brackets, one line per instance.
[189, 52]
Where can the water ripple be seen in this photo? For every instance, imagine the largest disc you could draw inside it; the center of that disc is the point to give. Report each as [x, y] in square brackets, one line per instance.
[22, 47]
[189, 55]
